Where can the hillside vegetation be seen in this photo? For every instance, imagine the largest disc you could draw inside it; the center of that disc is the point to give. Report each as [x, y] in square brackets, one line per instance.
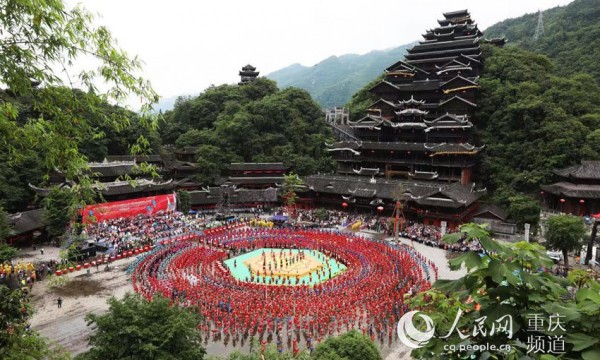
[571, 36]
[256, 122]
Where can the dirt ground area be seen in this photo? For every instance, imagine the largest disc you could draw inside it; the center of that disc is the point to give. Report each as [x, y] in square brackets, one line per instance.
[85, 294]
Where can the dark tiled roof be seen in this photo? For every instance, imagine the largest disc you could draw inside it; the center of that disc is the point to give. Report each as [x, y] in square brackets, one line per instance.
[490, 209]
[153, 158]
[188, 150]
[444, 44]
[419, 85]
[255, 180]
[276, 166]
[570, 190]
[112, 169]
[459, 78]
[405, 146]
[119, 187]
[383, 102]
[457, 98]
[187, 182]
[137, 186]
[25, 221]
[212, 195]
[423, 193]
[442, 53]
[184, 165]
[454, 14]
[589, 170]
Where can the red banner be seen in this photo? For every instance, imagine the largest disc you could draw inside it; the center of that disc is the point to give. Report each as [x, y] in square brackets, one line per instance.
[126, 208]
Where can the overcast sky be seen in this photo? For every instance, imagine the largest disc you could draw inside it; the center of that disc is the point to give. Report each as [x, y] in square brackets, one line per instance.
[189, 45]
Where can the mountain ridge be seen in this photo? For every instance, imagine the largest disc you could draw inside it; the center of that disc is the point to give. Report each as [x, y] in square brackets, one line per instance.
[333, 81]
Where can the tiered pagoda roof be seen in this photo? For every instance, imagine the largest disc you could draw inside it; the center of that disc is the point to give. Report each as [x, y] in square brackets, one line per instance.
[248, 74]
[420, 128]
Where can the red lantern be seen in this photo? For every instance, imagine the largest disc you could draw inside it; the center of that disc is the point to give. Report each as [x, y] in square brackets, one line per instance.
[344, 204]
[562, 201]
[380, 208]
[582, 201]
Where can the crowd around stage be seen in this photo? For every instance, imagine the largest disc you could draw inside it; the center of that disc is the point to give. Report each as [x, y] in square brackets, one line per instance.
[125, 234]
[333, 219]
[368, 296]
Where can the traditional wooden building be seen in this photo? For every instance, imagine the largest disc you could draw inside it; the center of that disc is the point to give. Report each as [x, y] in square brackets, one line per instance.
[115, 180]
[230, 198]
[418, 134]
[256, 175]
[577, 191]
[248, 74]
[26, 227]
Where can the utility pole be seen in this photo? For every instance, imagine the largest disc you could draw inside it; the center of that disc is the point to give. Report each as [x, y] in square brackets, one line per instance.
[539, 30]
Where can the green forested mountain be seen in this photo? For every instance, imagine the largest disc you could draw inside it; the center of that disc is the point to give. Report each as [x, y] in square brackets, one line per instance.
[333, 81]
[255, 122]
[571, 36]
[532, 121]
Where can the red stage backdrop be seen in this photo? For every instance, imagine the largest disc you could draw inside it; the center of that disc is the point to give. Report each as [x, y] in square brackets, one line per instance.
[147, 205]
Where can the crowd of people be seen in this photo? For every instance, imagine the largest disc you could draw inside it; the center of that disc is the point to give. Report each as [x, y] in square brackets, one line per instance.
[332, 219]
[368, 296]
[125, 234]
[432, 236]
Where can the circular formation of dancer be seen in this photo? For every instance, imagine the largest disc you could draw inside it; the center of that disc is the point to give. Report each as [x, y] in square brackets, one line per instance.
[368, 296]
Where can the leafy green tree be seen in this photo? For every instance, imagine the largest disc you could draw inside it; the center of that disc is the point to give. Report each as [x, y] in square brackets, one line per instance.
[7, 253]
[41, 46]
[16, 341]
[183, 201]
[4, 225]
[134, 328]
[565, 233]
[213, 163]
[362, 99]
[58, 211]
[507, 283]
[321, 214]
[291, 182]
[251, 123]
[524, 209]
[348, 346]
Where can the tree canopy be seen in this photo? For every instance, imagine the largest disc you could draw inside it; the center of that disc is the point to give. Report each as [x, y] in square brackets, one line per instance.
[565, 233]
[254, 122]
[134, 328]
[348, 346]
[17, 341]
[531, 121]
[51, 96]
[571, 36]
